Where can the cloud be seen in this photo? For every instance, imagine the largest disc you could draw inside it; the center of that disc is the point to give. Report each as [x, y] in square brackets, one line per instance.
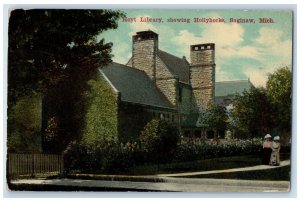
[121, 52]
[268, 49]
[237, 57]
[274, 48]
[141, 26]
[275, 53]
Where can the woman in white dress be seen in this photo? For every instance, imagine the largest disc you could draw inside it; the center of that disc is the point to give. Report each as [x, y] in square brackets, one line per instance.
[275, 146]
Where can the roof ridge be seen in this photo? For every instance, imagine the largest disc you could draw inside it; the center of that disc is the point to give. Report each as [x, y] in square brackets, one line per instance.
[132, 68]
[172, 55]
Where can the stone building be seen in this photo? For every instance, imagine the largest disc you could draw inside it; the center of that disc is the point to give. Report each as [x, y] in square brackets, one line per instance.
[156, 84]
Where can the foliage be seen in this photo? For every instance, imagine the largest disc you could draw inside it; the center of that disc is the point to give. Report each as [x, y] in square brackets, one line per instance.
[216, 117]
[251, 112]
[159, 138]
[264, 110]
[193, 151]
[47, 46]
[101, 118]
[108, 156]
[55, 53]
[24, 125]
[279, 90]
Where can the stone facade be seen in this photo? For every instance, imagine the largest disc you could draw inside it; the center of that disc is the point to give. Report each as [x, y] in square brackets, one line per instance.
[166, 81]
[184, 98]
[202, 70]
[166, 87]
[144, 52]
[197, 93]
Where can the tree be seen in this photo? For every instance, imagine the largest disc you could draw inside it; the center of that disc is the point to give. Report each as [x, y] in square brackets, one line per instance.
[216, 117]
[54, 53]
[251, 112]
[279, 90]
[159, 138]
[47, 46]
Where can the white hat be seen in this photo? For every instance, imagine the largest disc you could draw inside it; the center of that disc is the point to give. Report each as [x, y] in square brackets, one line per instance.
[268, 136]
[276, 138]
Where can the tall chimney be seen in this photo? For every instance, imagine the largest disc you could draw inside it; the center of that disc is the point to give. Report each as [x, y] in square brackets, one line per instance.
[144, 51]
[202, 72]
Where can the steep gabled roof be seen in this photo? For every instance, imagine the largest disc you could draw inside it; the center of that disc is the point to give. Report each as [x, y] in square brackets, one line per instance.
[176, 65]
[135, 86]
[225, 88]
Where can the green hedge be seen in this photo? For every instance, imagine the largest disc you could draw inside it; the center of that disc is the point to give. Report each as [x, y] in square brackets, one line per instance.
[113, 157]
[196, 151]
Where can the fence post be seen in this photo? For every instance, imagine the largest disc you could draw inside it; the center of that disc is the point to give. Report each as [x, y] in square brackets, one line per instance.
[62, 170]
[32, 165]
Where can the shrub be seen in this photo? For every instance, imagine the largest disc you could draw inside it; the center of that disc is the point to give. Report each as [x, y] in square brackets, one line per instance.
[159, 139]
[206, 150]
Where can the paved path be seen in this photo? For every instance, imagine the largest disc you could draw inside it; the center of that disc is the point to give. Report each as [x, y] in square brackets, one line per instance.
[259, 167]
[169, 182]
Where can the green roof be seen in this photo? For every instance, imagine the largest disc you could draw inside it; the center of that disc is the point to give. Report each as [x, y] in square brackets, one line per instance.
[135, 86]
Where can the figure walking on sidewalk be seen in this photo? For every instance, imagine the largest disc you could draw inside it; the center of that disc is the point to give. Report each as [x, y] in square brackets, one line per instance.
[267, 150]
[275, 146]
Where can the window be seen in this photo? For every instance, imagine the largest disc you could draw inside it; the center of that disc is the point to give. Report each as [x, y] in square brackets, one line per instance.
[202, 47]
[208, 47]
[196, 48]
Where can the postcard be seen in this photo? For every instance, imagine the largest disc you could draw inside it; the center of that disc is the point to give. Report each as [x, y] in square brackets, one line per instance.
[149, 100]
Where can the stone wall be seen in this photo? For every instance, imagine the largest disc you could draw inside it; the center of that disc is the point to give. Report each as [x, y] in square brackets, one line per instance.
[185, 99]
[144, 51]
[202, 71]
[166, 81]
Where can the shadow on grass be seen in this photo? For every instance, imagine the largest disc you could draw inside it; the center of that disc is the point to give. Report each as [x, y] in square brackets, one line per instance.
[276, 174]
[200, 165]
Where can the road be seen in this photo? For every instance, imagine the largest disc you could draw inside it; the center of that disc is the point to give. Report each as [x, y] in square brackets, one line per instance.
[167, 184]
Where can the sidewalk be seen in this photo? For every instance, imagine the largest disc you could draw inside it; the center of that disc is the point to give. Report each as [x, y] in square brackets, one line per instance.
[167, 182]
[259, 167]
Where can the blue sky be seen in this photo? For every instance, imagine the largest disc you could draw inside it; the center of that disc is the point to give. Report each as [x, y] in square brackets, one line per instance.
[243, 50]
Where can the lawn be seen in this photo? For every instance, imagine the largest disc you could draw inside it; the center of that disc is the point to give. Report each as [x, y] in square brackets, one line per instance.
[200, 165]
[281, 173]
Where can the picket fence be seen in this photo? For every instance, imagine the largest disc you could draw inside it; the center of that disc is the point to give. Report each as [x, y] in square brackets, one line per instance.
[34, 164]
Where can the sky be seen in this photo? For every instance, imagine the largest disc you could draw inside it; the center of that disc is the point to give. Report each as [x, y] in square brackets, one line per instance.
[243, 50]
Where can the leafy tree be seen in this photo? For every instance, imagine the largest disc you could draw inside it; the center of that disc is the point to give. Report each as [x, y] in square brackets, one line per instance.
[251, 112]
[279, 90]
[54, 53]
[159, 137]
[23, 128]
[216, 117]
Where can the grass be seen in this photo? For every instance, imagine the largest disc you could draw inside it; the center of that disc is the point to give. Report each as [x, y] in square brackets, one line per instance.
[200, 165]
[277, 174]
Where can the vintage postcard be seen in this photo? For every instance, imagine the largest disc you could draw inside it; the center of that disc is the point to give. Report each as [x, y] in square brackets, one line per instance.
[149, 100]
